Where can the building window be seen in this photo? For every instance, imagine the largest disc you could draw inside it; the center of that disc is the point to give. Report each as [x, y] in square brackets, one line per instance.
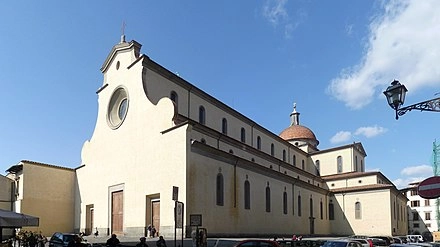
[427, 216]
[357, 211]
[331, 211]
[427, 203]
[284, 155]
[267, 198]
[224, 126]
[299, 205]
[415, 216]
[258, 142]
[415, 203]
[317, 167]
[303, 166]
[356, 164]
[243, 135]
[311, 207]
[219, 190]
[294, 160]
[362, 166]
[414, 192]
[272, 149]
[285, 202]
[339, 162]
[174, 98]
[416, 225]
[321, 213]
[428, 225]
[247, 195]
[202, 115]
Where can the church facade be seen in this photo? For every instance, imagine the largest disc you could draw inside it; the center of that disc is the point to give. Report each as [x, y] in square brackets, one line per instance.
[156, 132]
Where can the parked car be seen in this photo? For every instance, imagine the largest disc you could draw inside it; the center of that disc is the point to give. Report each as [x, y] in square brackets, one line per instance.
[378, 242]
[59, 239]
[403, 239]
[364, 242]
[388, 240]
[342, 243]
[301, 243]
[257, 243]
[415, 238]
[221, 242]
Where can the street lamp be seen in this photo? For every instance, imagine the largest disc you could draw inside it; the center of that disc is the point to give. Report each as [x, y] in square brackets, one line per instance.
[396, 97]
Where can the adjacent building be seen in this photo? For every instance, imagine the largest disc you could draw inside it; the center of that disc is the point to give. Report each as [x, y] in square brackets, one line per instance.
[156, 132]
[422, 213]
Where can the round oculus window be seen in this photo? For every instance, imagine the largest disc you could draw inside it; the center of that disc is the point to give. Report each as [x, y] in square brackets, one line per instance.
[117, 108]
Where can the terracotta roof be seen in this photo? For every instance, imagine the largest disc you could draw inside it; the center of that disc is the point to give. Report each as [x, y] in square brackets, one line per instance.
[297, 132]
[363, 187]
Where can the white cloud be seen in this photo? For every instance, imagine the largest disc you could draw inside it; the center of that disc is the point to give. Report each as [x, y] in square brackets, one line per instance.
[341, 136]
[402, 44]
[422, 170]
[401, 183]
[370, 131]
[275, 11]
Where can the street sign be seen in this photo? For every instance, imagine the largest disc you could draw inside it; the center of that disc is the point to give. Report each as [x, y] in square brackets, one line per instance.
[429, 188]
[195, 220]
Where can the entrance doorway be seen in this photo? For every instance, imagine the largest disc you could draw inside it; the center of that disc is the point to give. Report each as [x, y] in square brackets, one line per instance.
[117, 212]
[155, 215]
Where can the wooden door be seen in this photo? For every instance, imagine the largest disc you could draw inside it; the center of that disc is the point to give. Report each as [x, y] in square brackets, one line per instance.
[117, 212]
[155, 205]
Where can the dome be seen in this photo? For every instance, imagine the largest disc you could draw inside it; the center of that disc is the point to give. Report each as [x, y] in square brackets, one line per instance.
[295, 132]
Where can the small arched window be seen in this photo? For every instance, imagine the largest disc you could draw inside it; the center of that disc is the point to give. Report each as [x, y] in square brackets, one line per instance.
[318, 168]
[294, 160]
[219, 190]
[321, 213]
[267, 198]
[224, 126]
[357, 211]
[331, 211]
[356, 168]
[284, 155]
[272, 149]
[247, 195]
[202, 115]
[258, 142]
[285, 202]
[339, 162]
[311, 207]
[243, 135]
[175, 98]
[303, 166]
[299, 205]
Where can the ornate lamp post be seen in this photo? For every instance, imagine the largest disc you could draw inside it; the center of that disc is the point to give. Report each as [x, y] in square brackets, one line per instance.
[396, 97]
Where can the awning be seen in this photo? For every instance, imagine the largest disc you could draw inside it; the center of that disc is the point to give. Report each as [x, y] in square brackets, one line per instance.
[9, 219]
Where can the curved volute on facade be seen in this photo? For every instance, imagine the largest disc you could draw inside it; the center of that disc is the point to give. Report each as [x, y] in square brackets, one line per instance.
[297, 134]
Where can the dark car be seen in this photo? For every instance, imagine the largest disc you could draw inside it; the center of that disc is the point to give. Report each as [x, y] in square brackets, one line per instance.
[59, 239]
[342, 243]
[388, 240]
[301, 243]
[257, 243]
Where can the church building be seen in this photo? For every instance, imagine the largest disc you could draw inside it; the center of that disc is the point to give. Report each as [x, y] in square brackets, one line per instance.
[159, 139]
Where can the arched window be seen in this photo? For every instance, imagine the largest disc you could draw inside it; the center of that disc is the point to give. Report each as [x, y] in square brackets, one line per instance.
[175, 98]
[357, 211]
[331, 211]
[284, 155]
[224, 126]
[362, 166]
[267, 198]
[247, 195]
[272, 149]
[311, 207]
[356, 168]
[303, 166]
[339, 162]
[258, 142]
[285, 202]
[294, 160]
[299, 205]
[318, 168]
[202, 115]
[243, 135]
[321, 210]
[219, 190]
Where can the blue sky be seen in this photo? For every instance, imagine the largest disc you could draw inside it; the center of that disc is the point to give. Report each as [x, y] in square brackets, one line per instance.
[332, 58]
